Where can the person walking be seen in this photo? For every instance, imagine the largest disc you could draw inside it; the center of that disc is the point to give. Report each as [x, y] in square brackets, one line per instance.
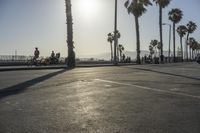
[36, 55]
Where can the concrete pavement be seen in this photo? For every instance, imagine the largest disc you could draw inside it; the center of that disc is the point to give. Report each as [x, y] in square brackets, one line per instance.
[127, 99]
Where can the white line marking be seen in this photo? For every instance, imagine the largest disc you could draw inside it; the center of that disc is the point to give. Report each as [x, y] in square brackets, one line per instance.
[148, 88]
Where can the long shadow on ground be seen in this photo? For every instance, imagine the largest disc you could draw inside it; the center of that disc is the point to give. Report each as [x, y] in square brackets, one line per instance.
[171, 74]
[19, 88]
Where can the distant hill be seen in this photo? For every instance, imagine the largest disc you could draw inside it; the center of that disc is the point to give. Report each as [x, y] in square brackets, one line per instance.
[106, 56]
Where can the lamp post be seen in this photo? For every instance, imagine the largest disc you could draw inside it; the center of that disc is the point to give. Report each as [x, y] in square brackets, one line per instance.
[115, 34]
[169, 38]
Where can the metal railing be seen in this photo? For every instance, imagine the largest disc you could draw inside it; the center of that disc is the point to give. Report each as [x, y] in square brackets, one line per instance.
[14, 58]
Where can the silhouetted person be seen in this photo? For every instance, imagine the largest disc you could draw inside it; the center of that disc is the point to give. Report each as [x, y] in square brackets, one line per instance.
[129, 59]
[36, 55]
[162, 58]
[52, 54]
[123, 57]
[145, 57]
[58, 55]
[52, 57]
[56, 61]
[198, 58]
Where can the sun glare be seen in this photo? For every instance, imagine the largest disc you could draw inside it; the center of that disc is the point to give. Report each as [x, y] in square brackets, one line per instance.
[88, 8]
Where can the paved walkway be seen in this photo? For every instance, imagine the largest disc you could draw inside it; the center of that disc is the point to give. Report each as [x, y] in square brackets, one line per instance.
[161, 98]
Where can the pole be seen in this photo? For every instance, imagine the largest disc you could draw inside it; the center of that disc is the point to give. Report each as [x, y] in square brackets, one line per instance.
[169, 50]
[169, 41]
[174, 42]
[115, 34]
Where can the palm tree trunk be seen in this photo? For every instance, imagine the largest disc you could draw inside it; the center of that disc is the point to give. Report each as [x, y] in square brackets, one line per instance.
[187, 46]
[169, 50]
[71, 53]
[117, 52]
[137, 39]
[156, 52]
[120, 55]
[181, 42]
[174, 42]
[111, 51]
[161, 39]
[115, 34]
[190, 53]
[195, 54]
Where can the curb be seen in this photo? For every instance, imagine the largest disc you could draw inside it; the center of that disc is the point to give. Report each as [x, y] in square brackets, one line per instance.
[31, 68]
[61, 67]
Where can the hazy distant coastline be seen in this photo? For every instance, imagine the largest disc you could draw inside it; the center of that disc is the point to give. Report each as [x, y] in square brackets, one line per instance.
[106, 56]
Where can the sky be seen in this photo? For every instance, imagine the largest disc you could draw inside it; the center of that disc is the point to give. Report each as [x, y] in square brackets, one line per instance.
[26, 24]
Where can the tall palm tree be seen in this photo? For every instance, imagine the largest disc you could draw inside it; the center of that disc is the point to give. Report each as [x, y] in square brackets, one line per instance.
[181, 30]
[159, 49]
[70, 42]
[194, 48]
[198, 48]
[115, 34]
[175, 15]
[191, 27]
[193, 44]
[110, 39]
[162, 4]
[118, 35]
[137, 8]
[155, 44]
[151, 50]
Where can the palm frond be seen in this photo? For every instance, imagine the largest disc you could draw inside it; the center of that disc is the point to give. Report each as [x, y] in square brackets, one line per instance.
[162, 3]
[191, 26]
[126, 4]
[181, 30]
[175, 15]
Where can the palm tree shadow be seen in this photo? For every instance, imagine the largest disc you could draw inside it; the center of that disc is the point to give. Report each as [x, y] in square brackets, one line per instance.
[21, 87]
[166, 73]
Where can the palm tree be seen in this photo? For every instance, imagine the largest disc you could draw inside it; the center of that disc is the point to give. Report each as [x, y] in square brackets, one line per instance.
[162, 4]
[194, 48]
[198, 48]
[193, 44]
[159, 48]
[137, 8]
[155, 44]
[121, 49]
[191, 27]
[70, 42]
[118, 35]
[115, 36]
[151, 50]
[181, 30]
[110, 40]
[175, 15]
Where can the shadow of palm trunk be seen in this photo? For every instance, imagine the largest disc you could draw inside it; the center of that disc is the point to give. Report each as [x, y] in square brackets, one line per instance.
[21, 87]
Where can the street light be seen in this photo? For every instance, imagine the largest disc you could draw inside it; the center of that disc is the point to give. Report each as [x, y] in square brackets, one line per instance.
[169, 38]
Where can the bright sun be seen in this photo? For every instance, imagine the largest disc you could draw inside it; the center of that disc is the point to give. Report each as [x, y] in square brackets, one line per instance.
[88, 7]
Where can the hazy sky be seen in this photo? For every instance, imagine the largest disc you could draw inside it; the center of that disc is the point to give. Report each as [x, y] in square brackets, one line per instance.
[25, 24]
